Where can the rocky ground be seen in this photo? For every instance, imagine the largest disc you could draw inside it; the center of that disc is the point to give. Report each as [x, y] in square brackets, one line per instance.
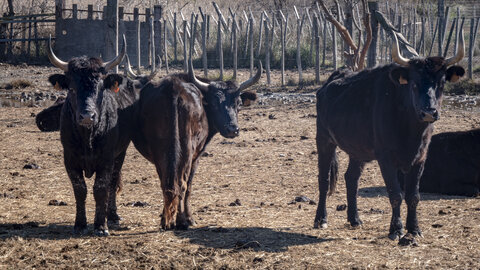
[253, 198]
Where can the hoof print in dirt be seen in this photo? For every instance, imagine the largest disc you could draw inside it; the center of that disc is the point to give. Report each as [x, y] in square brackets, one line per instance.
[408, 240]
[341, 207]
[57, 203]
[235, 203]
[31, 166]
[244, 244]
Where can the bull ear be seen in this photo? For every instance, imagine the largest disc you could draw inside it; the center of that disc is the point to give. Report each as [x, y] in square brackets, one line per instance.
[248, 98]
[454, 73]
[59, 81]
[399, 75]
[112, 82]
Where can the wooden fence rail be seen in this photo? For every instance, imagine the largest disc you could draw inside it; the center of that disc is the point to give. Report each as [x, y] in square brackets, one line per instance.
[298, 38]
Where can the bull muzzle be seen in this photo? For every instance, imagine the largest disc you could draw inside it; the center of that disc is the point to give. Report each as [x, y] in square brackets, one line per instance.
[231, 131]
[86, 119]
[429, 115]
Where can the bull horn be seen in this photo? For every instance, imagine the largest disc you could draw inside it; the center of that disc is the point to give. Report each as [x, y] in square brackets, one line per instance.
[118, 59]
[460, 51]
[191, 75]
[154, 72]
[54, 59]
[396, 56]
[128, 68]
[252, 80]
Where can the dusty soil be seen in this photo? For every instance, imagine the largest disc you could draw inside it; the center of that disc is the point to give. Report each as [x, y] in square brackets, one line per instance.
[271, 163]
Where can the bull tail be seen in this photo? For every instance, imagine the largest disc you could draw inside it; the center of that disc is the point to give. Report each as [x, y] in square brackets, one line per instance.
[333, 175]
[173, 154]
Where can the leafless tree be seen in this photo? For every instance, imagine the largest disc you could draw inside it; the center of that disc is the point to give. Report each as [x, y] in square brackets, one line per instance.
[355, 60]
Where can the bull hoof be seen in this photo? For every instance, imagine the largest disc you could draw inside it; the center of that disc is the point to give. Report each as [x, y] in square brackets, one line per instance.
[320, 225]
[167, 225]
[356, 223]
[191, 221]
[101, 232]
[395, 235]
[80, 230]
[408, 240]
[114, 221]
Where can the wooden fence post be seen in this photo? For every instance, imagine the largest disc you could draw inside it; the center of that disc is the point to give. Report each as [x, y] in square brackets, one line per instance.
[111, 38]
[185, 38]
[282, 60]
[165, 48]
[235, 48]
[204, 47]
[175, 55]
[373, 49]
[267, 51]
[259, 48]
[317, 49]
[157, 23]
[90, 12]
[136, 19]
[250, 41]
[152, 43]
[299, 53]
[220, 49]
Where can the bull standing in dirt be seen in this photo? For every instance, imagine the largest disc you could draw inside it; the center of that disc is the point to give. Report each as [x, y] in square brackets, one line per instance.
[384, 114]
[95, 126]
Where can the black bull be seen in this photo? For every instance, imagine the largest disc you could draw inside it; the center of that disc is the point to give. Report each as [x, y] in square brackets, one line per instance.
[453, 164]
[100, 116]
[95, 126]
[384, 114]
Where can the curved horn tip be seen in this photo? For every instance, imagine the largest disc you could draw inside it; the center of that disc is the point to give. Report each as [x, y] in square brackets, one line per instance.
[54, 59]
[128, 67]
[396, 56]
[460, 51]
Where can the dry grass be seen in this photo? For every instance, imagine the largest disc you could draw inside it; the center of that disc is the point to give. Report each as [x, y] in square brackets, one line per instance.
[265, 168]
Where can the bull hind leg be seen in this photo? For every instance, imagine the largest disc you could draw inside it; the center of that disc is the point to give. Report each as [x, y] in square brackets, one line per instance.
[188, 210]
[352, 175]
[114, 188]
[326, 158]
[80, 192]
[170, 198]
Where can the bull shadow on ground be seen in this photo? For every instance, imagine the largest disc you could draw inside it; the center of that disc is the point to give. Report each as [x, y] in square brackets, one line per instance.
[255, 238]
[381, 191]
[35, 230]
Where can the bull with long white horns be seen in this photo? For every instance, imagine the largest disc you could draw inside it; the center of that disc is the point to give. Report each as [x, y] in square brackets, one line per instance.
[386, 114]
[96, 123]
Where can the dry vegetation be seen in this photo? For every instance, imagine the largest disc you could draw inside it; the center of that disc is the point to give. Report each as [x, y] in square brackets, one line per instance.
[271, 163]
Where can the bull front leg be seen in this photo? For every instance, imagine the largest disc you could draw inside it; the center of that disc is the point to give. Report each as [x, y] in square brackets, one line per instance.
[115, 187]
[101, 187]
[412, 197]
[80, 192]
[395, 194]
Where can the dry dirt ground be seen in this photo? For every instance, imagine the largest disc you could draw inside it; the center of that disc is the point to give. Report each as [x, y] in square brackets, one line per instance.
[263, 170]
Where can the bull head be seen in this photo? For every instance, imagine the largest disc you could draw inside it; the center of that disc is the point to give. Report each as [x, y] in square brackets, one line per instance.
[425, 78]
[399, 59]
[222, 100]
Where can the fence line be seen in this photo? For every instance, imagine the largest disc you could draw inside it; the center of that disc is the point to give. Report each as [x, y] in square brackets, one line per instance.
[297, 38]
